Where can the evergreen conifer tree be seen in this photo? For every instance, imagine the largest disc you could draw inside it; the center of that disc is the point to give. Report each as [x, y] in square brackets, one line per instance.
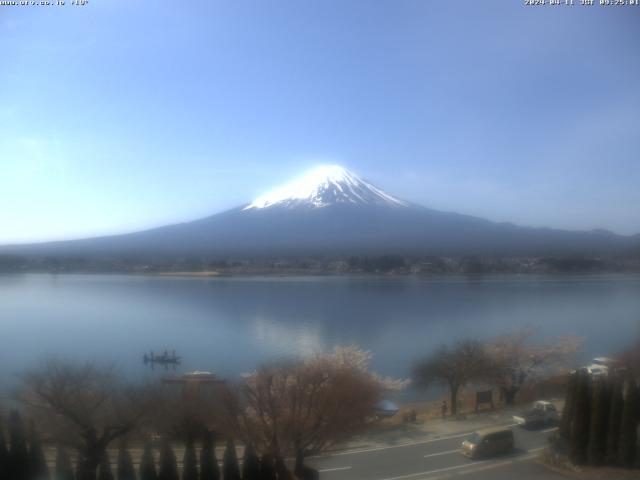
[125, 469]
[615, 419]
[569, 408]
[579, 437]
[209, 469]
[168, 465]
[230, 469]
[4, 454]
[628, 446]
[282, 471]
[148, 464]
[267, 468]
[38, 469]
[104, 470]
[189, 462]
[597, 448]
[18, 452]
[63, 469]
[250, 464]
[79, 471]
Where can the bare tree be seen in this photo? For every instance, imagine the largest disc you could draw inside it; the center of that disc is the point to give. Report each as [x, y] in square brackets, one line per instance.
[83, 406]
[304, 408]
[454, 367]
[516, 359]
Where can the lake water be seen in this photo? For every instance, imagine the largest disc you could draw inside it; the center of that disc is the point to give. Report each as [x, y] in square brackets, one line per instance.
[230, 325]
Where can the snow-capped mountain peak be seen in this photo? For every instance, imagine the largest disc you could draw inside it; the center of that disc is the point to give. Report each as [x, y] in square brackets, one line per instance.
[324, 186]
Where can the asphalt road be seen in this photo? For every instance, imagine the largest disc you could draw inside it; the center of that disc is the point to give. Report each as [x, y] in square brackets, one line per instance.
[436, 459]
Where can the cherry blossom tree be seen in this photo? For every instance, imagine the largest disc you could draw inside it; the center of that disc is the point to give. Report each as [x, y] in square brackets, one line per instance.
[516, 358]
[303, 408]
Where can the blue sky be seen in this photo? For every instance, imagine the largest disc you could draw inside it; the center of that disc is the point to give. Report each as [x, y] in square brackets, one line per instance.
[122, 115]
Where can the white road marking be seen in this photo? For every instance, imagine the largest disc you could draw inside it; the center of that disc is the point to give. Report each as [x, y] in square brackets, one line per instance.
[481, 468]
[549, 430]
[499, 464]
[457, 450]
[429, 472]
[491, 463]
[530, 454]
[333, 469]
[408, 444]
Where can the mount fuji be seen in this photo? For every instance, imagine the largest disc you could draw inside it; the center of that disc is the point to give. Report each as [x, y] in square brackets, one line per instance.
[323, 187]
[332, 211]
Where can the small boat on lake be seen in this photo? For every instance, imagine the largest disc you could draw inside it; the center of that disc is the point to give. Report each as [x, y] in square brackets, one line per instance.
[165, 358]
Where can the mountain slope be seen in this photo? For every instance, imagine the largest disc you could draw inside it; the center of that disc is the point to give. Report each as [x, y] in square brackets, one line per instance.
[332, 211]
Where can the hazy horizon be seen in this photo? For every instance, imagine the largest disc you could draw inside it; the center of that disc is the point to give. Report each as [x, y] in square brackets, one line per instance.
[119, 117]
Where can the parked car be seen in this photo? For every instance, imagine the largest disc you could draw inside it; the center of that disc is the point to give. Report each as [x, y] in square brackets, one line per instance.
[386, 408]
[541, 413]
[610, 365]
[604, 361]
[596, 370]
[601, 367]
[488, 442]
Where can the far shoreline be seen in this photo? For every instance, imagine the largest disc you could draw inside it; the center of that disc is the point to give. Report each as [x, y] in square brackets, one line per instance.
[207, 273]
[302, 274]
[371, 265]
